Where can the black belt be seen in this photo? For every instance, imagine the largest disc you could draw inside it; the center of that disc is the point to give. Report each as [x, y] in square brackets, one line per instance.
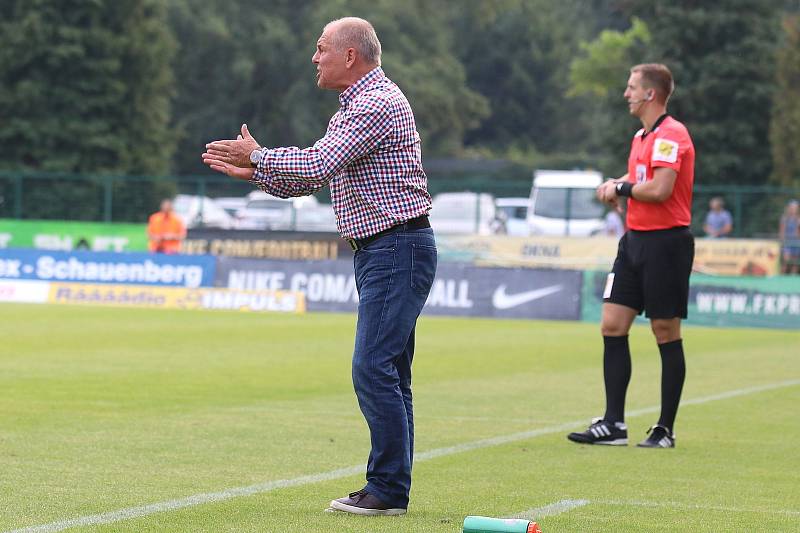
[421, 222]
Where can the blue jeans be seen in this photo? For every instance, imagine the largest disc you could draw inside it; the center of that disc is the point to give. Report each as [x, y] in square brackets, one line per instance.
[394, 275]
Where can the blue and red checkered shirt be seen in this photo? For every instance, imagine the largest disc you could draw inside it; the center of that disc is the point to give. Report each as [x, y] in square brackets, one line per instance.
[370, 155]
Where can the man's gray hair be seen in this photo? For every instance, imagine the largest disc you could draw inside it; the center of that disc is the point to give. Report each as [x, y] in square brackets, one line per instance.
[354, 32]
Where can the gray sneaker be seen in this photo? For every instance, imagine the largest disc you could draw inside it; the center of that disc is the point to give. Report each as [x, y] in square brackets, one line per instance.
[363, 503]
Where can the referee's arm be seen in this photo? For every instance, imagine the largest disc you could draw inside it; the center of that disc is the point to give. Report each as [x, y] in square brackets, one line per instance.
[658, 189]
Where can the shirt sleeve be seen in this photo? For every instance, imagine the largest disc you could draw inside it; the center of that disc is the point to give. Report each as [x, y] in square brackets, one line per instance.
[286, 172]
[668, 150]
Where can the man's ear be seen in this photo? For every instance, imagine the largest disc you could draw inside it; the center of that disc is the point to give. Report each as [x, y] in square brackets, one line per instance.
[350, 58]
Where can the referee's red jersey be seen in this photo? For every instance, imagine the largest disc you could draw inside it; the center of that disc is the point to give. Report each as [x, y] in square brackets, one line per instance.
[668, 145]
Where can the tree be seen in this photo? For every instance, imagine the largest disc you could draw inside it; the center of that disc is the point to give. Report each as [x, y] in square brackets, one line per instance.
[419, 51]
[785, 126]
[242, 63]
[722, 56]
[597, 71]
[515, 52]
[599, 74]
[85, 87]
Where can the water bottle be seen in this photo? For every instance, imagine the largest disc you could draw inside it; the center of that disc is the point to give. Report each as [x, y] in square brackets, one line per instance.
[482, 524]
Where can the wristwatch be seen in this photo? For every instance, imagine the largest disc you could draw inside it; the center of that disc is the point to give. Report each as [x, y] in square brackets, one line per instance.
[255, 157]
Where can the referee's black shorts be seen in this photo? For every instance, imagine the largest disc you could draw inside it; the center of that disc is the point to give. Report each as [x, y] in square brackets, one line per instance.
[651, 272]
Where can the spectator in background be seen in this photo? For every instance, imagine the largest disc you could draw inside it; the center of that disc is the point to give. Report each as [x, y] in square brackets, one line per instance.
[719, 222]
[790, 238]
[614, 226]
[165, 230]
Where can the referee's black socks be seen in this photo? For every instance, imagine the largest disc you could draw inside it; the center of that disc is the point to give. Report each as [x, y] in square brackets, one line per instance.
[673, 373]
[617, 375]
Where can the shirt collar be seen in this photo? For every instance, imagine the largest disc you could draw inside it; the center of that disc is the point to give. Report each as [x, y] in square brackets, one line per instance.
[348, 94]
[657, 123]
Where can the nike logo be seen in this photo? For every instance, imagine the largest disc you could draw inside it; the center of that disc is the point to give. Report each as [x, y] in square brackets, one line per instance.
[501, 300]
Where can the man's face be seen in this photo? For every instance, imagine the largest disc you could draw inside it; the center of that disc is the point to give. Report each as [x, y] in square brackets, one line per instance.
[636, 94]
[716, 205]
[166, 206]
[331, 63]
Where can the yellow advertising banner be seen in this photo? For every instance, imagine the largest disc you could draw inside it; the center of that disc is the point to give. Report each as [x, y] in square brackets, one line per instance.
[176, 297]
[576, 253]
[723, 257]
[737, 257]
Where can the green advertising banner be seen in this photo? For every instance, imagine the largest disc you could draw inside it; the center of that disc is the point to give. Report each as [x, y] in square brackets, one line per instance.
[726, 301]
[66, 236]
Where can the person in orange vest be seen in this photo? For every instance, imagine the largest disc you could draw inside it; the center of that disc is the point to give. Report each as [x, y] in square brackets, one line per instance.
[165, 230]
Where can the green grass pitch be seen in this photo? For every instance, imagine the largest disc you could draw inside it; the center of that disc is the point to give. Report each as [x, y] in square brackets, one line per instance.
[108, 409]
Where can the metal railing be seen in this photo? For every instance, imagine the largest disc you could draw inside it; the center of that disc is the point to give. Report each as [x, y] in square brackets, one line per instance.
[756, 210]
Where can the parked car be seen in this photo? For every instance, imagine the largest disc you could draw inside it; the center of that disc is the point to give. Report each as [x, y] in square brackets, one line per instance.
[267, 212]
[563, 203]
[201, 211]
[231, 204]
[512, 213]
[318, 217]
[463, 212]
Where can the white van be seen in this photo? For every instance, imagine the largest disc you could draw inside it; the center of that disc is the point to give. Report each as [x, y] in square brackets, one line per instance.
[563, 203]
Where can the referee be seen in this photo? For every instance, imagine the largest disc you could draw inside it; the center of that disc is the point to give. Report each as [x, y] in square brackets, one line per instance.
[654, 259]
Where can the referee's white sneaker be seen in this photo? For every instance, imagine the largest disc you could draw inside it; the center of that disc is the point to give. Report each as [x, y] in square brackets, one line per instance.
[658, 436]
[602, 432]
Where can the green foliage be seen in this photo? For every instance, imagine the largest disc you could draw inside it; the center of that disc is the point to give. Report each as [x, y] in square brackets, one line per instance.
[114, 87]
[85, 87]
[598, 75]
[722, 57]
[604, 61]
[514, 53]
[785, 127]
[267, 79]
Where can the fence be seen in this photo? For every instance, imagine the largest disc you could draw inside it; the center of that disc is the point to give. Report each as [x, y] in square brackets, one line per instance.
[756, 210]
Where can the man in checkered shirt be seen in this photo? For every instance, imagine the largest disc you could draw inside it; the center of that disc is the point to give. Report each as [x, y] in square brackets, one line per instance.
[371, 157]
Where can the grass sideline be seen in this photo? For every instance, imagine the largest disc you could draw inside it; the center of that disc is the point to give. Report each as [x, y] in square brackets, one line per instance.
[106, 409]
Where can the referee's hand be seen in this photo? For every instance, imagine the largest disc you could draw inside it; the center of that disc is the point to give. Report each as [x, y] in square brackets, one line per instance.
[607, 192]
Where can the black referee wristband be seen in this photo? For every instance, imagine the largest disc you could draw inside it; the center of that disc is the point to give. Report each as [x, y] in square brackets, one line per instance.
[625, 189]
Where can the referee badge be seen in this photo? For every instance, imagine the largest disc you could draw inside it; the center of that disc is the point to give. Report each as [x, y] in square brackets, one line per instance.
[641, 173]
[664, 150]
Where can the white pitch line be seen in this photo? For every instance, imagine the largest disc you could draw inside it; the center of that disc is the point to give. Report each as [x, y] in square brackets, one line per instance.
[551, 510]
[679, 505]
[212, 497]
